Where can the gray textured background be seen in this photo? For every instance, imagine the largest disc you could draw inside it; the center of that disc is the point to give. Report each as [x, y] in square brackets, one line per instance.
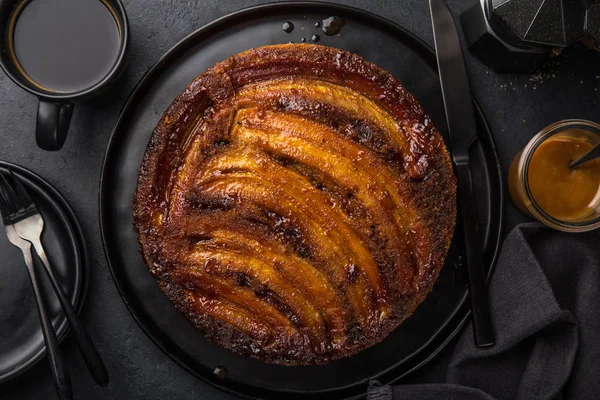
[516, 106]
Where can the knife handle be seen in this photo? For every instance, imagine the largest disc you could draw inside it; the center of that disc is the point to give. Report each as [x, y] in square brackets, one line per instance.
[482, 323]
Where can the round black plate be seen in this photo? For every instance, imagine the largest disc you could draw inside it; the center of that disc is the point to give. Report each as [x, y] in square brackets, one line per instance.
[21, 340]
[409, 346]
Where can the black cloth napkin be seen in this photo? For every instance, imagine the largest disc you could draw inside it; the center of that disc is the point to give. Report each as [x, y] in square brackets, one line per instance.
[545, 304]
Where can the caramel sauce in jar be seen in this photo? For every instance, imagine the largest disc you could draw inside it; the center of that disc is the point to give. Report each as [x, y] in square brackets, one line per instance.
[541, 183]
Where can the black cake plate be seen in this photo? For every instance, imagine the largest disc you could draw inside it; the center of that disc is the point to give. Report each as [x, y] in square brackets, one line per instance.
[410, 346]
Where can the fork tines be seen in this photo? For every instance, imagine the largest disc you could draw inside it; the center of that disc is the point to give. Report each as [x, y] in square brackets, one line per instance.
[15, 202]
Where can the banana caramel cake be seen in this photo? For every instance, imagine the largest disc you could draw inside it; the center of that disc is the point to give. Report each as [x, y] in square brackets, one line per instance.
[296, 203]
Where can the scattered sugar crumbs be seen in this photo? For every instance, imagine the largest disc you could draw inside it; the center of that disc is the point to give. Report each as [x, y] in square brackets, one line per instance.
[548, 71]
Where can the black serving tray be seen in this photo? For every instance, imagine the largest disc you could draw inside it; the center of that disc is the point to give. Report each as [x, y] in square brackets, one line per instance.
[411, 345]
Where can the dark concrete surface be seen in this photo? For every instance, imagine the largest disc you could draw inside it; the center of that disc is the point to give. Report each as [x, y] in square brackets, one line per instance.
[517, 106]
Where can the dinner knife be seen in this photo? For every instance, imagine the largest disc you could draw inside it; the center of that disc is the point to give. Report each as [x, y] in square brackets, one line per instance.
[462, 130]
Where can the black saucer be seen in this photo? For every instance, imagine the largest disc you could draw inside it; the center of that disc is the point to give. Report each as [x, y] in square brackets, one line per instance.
[21, 341]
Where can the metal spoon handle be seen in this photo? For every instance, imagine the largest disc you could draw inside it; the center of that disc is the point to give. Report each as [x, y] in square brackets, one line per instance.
[590, 155]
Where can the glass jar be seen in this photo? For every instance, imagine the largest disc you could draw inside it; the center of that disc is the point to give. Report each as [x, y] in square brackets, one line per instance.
[519, 176]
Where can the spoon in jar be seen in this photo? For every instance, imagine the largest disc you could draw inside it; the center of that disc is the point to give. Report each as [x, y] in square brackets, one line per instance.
[592, 154]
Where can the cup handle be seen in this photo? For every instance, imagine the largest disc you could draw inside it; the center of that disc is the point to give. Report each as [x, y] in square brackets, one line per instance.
[53, 119]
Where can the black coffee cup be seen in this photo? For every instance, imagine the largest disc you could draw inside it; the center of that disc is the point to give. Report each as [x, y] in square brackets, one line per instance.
[56, 103]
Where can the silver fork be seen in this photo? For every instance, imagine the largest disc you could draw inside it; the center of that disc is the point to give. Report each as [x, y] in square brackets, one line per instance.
[20, 212]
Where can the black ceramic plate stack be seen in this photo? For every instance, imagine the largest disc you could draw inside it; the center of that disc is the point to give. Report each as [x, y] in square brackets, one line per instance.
[21, 341]
[416, 341]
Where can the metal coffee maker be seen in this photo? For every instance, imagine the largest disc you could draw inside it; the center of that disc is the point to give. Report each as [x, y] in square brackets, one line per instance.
[518, 35]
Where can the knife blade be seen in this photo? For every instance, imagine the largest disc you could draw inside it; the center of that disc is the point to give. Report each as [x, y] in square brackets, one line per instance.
[462, 131]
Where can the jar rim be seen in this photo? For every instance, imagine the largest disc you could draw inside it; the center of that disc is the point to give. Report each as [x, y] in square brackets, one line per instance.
[523, 170]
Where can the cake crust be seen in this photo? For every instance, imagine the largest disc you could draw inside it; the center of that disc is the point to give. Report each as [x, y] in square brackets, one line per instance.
[296, 203]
